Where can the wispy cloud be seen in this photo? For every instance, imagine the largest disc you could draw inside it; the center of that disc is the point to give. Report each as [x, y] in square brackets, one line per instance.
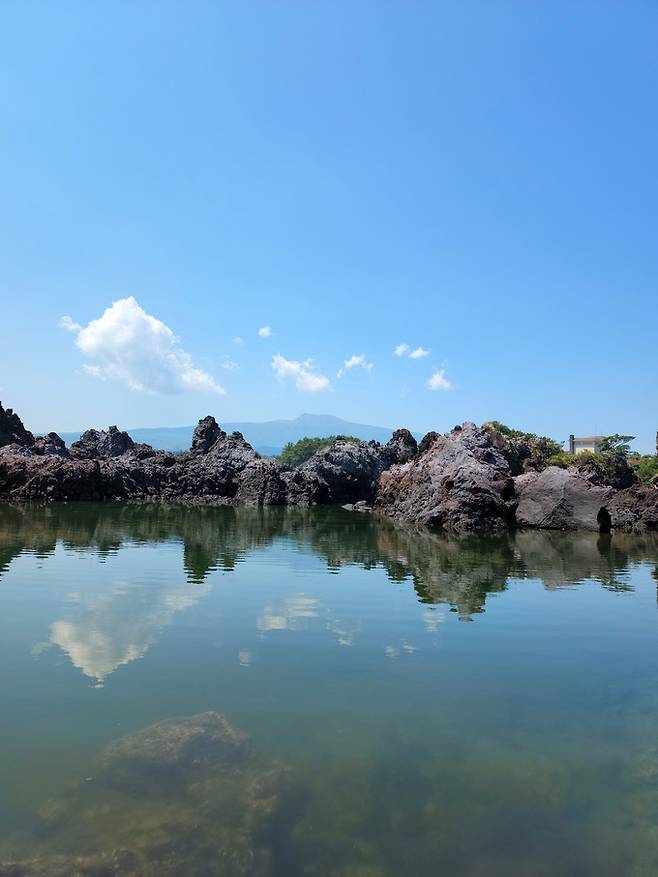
[405, 350]
[230, 365]
[357, 360]
[265, 331]
[438, 381]
[136, 348]
[305, 378]
[67, 323]
[237, 340]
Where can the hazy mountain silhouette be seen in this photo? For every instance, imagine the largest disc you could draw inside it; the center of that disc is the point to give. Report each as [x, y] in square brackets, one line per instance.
[268, 437]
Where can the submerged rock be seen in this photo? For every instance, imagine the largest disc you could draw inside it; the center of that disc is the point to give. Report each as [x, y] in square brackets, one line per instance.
[184, 796]
[175, 747]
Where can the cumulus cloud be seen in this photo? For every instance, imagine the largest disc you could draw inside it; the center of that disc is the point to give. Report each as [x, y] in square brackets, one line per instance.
[265, 331]
[132, 346]
[237, 340]
[419, 353]
[354, 361]
[302, 373]
[438, 381]
[401, 349]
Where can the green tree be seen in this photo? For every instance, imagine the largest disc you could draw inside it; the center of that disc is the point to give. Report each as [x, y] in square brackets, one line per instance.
[296, 453]
[618, 444]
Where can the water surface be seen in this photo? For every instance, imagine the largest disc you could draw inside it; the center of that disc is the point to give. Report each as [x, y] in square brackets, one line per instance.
[422, 703]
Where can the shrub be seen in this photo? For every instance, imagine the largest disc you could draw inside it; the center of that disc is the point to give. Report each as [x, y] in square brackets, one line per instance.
[646, 468]
[296, 453]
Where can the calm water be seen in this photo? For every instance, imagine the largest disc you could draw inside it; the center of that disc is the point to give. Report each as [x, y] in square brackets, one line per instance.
[422, 705]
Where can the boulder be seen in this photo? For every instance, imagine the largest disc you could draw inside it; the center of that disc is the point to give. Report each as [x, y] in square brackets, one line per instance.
[561, 499]
[458, 481]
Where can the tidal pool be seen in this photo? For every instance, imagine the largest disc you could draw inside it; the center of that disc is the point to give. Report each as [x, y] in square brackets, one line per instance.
[330, 694]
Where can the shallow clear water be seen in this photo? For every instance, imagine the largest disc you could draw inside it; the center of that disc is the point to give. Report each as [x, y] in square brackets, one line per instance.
[428, 704]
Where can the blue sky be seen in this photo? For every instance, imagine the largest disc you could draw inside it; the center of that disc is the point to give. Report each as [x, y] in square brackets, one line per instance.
[474, 179]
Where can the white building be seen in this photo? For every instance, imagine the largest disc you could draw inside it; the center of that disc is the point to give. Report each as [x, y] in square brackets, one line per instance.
[585, 443]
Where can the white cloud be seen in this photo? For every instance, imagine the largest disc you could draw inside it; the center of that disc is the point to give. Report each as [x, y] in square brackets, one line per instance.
[265, 331]
[132, 346]
[438, 381]
[67, 323]
[419, 353]
[301, 372]
[356, 360]
[230, 366]
[237, 340]
[401, 349]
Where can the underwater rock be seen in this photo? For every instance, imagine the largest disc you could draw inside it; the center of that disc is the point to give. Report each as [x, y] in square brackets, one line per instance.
[186, 796]
[187, 745]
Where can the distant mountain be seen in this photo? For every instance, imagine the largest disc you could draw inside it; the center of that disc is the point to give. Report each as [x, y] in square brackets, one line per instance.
[268, 438]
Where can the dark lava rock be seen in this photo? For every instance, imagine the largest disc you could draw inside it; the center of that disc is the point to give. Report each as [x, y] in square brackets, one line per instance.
[261, 483]
[401, 447]
[27, 476]
[94, 444]
[12, 430]
[343, 472]
[206, 433]
[50, 443]
[524, 453]
[635, 509]
[561, 499]
[458, 481]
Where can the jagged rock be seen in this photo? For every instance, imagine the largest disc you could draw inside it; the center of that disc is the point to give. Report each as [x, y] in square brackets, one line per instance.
[27, 476]
[635, 509]
[458, 481]
[50, 443]
[12, 430]
[524, 453]
[561, 499]
[206, 433]
[93, 444]
[343, 472]
[401, 447]
[261, 483]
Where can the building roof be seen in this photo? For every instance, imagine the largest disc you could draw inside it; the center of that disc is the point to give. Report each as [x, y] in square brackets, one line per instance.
[588, 438]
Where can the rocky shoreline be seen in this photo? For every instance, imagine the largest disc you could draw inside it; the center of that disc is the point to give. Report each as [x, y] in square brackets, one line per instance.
[471, 478]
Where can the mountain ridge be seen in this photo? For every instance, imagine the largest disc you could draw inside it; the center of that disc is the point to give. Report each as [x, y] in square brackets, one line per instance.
[268, 437]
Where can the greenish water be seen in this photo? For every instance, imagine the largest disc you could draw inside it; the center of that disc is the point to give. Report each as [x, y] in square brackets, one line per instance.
[421, 704]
